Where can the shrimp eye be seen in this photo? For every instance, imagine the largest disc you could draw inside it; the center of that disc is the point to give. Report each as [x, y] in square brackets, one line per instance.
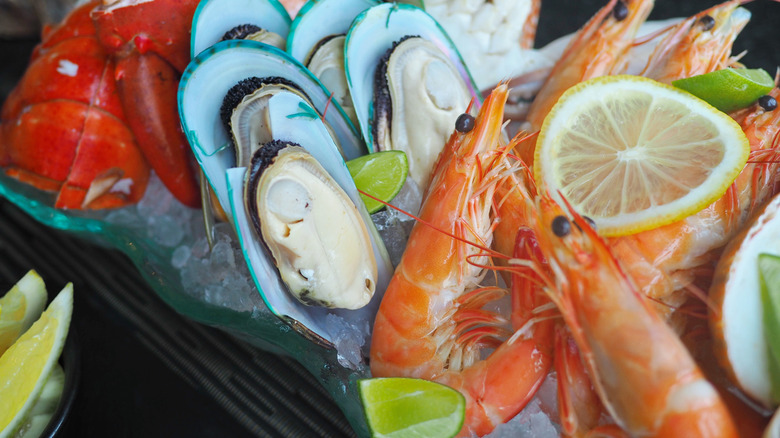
[620, 11]
[768, 103]
[464, 123]
[561, 226]
[590, 222]
[707, 22]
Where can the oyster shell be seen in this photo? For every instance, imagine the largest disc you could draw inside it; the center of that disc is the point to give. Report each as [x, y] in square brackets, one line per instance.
[215, 19]
[420, 133]
[313, 230]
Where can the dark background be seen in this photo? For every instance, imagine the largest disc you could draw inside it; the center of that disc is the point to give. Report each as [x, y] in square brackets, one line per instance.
[148, 372]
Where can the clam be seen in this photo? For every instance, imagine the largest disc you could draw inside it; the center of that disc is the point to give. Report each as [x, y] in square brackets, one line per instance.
[313, 230]
[408, 83]
[293, 114]
[317, 38]
[265, 21]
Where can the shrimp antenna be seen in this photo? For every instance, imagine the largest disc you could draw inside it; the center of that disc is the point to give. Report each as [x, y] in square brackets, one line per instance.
[423, 221]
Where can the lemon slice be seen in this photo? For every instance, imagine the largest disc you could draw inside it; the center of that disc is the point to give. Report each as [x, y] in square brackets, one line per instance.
[27, 365]
[634, 154]
[20, 307]
[400, 407]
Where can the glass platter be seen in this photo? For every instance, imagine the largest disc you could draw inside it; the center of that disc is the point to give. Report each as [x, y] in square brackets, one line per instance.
[153, 261]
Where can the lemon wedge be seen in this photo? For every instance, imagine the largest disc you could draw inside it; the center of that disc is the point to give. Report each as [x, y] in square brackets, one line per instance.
[634, 154]
[26, 366]
[20, 307]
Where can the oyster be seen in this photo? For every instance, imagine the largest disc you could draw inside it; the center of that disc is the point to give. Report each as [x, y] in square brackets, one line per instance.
[407, 91]
[313, 230]
[265, 21]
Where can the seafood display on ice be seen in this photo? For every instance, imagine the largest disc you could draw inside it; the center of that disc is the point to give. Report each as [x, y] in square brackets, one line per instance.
[250, 110]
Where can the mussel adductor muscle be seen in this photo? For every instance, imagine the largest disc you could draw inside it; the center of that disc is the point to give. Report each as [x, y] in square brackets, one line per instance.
[311, 228]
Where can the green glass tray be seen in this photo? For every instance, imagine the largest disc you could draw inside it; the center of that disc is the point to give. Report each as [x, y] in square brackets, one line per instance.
[153, 261]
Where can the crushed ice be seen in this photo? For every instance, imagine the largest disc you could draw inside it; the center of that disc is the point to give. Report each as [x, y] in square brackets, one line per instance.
[218, 276]
[535, 420]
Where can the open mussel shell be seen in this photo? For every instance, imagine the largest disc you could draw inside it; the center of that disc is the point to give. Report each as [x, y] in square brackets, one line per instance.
[214, 18]
[320, 19]
[207, 80]
[296, 125]
[317, 38]
[408, 100]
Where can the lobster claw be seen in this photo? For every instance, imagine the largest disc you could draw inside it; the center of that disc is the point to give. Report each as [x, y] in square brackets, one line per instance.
[148, 45]
[147, 86]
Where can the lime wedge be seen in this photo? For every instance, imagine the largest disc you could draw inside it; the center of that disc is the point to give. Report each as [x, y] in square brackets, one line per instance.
[729, 89]
[381, 174]
[769, 271]
[400, 407]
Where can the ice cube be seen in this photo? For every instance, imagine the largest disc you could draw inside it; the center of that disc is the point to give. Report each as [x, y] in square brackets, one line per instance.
[180, 256]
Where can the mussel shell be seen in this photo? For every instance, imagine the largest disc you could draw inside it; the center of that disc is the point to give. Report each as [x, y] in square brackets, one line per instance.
[212, 73]
[372, 33]
[320, 19]
[213, 18]
[301, 129]
[314, 232]
[244, 98]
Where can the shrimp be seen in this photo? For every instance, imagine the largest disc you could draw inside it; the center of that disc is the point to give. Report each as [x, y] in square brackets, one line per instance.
[699, 44]
[644, 375]
[431, 323]
[664, 261]
[598, 49]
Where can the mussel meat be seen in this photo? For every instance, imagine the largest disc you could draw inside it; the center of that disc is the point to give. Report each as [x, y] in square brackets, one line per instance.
[312, 229]
[418, 95]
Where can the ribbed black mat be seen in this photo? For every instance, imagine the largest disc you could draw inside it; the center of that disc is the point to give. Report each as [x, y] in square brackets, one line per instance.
[244, 390]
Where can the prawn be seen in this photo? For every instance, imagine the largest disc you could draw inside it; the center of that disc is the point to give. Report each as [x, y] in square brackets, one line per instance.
[699, 44]
[642, 372]
[431, 322]
[664, 261]
[600, 48]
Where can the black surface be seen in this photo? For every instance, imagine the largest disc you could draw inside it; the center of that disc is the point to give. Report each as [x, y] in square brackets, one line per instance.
[131, 383]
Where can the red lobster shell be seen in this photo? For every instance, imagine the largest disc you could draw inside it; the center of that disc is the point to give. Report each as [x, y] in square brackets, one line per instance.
[98, 102]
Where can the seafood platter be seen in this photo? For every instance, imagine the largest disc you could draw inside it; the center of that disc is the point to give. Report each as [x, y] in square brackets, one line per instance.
[214, 142]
